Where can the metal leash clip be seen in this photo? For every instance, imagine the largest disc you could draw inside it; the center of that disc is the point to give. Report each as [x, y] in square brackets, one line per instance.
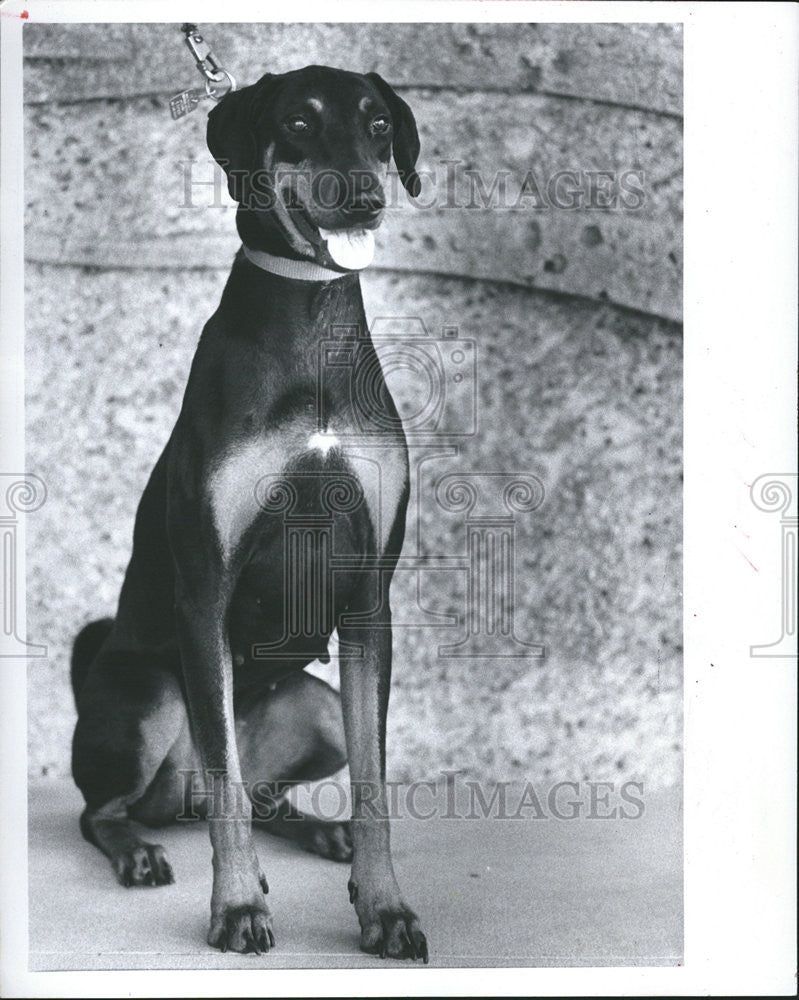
[218, 81]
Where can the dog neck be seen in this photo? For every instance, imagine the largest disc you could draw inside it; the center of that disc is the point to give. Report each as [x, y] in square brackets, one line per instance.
[267, 301]
[286, 267]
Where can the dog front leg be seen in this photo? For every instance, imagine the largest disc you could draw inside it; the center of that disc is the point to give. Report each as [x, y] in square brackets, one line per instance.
[388, 925]
[240, 920]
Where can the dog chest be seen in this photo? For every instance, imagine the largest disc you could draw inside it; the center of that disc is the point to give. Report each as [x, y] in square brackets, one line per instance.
[337, 468]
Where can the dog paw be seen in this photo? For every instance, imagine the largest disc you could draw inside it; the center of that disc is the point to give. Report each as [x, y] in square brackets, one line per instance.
[393, 932]
[246, 929]
[143, 865]
[329, 840]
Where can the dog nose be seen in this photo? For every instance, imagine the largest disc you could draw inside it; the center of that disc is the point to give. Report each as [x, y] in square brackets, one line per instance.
[365, 206]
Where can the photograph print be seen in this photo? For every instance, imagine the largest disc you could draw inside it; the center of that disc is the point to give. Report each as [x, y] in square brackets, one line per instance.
[353, 495]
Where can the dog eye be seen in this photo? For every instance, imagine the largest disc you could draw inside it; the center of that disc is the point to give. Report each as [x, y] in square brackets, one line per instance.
[381, 125]
[297, 124]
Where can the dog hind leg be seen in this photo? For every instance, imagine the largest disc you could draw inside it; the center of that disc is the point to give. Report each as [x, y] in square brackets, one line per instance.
[294, 734]
[130, 715]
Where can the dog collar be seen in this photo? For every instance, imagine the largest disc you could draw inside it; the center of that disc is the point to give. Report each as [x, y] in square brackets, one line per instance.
[284, 267]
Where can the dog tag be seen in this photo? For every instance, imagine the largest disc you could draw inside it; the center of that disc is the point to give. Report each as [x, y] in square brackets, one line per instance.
[186, 101]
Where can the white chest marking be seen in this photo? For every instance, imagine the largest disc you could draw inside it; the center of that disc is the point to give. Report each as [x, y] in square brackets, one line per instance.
[234, 484]
[234, 487]
[322, 441]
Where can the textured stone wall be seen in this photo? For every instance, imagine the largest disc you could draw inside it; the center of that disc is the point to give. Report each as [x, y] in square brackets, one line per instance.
[573, 311]
[597, 106]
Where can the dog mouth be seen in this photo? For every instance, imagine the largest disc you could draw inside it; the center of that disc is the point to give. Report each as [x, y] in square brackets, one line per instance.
[342, 237]
[349, 247]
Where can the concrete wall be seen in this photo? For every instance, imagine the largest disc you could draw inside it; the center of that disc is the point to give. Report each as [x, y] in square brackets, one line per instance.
[574, 311]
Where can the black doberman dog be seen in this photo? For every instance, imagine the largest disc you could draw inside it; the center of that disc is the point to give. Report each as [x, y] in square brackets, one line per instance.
[275, 514]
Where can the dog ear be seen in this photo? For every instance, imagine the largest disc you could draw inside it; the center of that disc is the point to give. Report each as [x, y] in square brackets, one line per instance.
[231, 132]
[406, 139]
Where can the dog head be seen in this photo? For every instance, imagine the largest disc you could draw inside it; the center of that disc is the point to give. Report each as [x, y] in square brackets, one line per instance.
[306, 155]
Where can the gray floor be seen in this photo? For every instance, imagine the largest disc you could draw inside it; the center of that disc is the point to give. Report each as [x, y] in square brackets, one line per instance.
[523, 892]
